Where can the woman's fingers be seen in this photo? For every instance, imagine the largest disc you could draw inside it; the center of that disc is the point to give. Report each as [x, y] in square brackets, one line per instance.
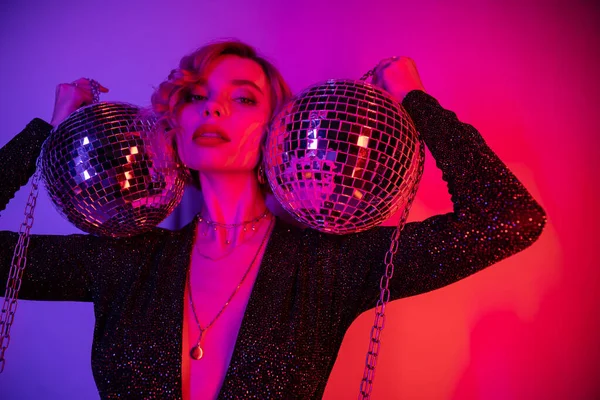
[71, 96]
[84, 83]
[397, 75]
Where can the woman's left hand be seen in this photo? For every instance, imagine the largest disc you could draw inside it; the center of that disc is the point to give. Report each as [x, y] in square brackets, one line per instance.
[398, 75]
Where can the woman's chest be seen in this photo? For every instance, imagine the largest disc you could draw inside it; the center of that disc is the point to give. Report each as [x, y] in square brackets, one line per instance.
[215, 302]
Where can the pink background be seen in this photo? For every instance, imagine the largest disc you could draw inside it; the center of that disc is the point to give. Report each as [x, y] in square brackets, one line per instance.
[525, 74]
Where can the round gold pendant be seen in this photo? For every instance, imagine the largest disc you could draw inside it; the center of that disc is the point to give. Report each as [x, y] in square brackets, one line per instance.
[196, 353]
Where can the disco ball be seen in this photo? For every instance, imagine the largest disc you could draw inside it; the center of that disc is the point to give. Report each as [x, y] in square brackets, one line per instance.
[343, 156]
[109, 172]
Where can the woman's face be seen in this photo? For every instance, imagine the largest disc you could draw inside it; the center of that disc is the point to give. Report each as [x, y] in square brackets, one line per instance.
[222, 122]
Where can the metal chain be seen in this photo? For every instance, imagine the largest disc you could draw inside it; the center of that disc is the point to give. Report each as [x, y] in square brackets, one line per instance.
[368, 74]
[19, 261]
[371, 72]
[95, 89]
[366, 384]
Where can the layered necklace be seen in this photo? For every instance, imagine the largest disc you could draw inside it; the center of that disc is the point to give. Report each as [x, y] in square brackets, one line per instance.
[206, 225]
[196, 351]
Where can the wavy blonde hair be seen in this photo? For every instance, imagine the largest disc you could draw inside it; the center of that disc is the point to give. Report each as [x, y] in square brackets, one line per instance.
[171, 94]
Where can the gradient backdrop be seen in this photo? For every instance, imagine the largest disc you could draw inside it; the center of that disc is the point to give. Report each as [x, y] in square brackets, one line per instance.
[525, 74]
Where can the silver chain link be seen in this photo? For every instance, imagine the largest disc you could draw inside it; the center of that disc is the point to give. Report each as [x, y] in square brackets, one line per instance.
[368, 74]
[18, 264]
[371, 72]
[95, 89]
[19, 260]
[366, 384]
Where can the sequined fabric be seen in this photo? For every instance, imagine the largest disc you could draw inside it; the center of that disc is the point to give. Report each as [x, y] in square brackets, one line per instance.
[310, 286]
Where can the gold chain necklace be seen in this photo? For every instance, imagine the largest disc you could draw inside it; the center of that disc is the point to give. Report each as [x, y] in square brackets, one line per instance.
[197, 352]
[254, 222]
[230, 227]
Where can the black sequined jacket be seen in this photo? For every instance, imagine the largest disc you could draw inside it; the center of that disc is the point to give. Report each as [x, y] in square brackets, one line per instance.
[310, 286]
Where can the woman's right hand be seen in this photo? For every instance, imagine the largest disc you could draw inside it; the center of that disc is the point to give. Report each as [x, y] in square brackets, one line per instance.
[71, 96]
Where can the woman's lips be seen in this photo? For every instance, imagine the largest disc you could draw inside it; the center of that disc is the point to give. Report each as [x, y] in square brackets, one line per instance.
[209, 133]
[209, 141]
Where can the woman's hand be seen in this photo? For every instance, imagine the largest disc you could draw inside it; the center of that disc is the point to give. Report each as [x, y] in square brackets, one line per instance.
[398, 75]
[71, 96]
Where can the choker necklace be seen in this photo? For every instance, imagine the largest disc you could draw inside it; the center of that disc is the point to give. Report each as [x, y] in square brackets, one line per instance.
[250, 225]
[231, 227]
[196, 351]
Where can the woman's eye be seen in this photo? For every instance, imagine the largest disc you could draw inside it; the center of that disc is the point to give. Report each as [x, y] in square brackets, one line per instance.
[196, 97]
[246, 100]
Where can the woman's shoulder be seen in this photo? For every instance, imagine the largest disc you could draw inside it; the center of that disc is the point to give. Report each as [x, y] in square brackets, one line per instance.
[86, 240]
[291, 228]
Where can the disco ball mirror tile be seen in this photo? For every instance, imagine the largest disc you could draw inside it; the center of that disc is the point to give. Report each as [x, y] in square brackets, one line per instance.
[343, 156]
[109, 172]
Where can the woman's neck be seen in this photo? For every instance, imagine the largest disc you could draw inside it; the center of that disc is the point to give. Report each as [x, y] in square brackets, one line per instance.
[231, 198]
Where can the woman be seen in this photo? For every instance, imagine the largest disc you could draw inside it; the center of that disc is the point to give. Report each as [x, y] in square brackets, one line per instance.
[219, 309]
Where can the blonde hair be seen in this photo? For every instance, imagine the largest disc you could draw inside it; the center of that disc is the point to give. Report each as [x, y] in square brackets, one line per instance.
[171, 94]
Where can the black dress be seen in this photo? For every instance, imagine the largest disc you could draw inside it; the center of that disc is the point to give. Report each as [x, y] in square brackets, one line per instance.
[310, 286]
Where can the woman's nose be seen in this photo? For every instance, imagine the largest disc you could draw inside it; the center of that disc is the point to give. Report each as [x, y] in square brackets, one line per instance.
[209, 112]
[213, 109]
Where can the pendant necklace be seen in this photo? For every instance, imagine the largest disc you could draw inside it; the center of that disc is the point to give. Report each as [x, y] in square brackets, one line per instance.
[196, 351]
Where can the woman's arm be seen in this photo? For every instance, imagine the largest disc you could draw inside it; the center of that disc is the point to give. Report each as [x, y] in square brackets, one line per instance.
[18, 157]
[55, 264]
[494, 215]
[58, 267]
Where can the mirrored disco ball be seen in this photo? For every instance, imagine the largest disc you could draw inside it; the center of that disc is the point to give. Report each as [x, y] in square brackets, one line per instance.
[343, 156]
[109, 172]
